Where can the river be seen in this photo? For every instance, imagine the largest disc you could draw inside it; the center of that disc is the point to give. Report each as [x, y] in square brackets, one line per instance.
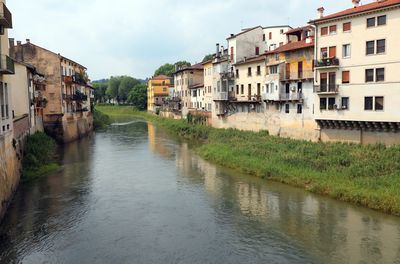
[134, 194]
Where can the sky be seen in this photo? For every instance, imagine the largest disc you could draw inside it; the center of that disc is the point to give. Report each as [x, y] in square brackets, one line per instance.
[135, 37]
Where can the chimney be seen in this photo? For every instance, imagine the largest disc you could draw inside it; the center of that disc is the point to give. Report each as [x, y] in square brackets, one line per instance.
[321, 12]
[356, 3]
[19, 43]
[28, 41]
[11, 42]
[217, 53]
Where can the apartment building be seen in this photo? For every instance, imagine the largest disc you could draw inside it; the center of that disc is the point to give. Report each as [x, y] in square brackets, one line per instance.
[157, 92]
[197, 97]
[9, 163]
[184, 78]
[357, 80]
[289, 89]
[208, 84]
[275, 37]
[67, 112]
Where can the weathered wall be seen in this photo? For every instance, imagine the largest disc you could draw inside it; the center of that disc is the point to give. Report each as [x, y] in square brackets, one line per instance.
[70, 129]
[171, 115]
[360, 137]
[9, 171]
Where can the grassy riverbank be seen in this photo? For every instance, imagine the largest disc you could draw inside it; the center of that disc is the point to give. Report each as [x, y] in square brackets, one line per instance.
[364, 175]
[39, 157]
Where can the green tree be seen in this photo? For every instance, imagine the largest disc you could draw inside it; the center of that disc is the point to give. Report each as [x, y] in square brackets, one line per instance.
[100, 92]
[208, 57]
[182, 63]
[166, 69]
[138, 96]
[126, 85]
[113, 87]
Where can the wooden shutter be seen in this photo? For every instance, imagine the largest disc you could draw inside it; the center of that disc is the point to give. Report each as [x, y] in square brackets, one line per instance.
[346, 26]
[345, 77]
[332, 52]
[324, 31]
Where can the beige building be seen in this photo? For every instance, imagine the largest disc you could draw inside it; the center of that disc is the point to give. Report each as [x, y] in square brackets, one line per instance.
[208, 85]
[357, 80]
[184, 78]
[67, 113]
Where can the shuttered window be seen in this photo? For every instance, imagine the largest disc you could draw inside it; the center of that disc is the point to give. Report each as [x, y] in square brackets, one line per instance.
[346, 26]
[345, 77]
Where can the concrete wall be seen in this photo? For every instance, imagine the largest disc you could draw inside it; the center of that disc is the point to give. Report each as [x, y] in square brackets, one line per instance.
[9, 171]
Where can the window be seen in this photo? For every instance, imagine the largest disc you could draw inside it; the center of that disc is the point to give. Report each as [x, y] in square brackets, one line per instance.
[331, 103]
[324, 52]
[324, 31]
[332, 52]
[257, 51]
[346, 51]
[378, 103]
[380, 46]
[368, 103]
[299, 108]
[281, 31]
[323, 103]
[381, 20]
[249, 71]
[345, 103]
[232, 53]
[287, 108]
[345, 76]
[370, 47]
[237, 89]
[273, 69]
[270, 35]
[258, 70]
[280, 44]
[369, 75]
[249, 89]
[347, 27]
[332, 29]
[237, 73]
[263, 38]
[371, 22]
[380, 74]
[242, 89]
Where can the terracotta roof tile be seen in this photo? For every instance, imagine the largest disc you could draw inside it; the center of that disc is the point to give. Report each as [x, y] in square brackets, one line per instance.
[359, 9]
[292, 46]
[161, 77]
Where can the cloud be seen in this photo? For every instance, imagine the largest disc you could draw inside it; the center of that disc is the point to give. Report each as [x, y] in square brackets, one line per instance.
[129, 37]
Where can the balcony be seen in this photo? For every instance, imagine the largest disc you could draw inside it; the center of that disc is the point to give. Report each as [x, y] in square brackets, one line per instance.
[6, 65]
[327, 89]
[227, 75]
[5, 16]
[79, 97]
[67, 79]
[283, 97]
[327, 63]
[221, 96]
[78, 79]
[67, 97]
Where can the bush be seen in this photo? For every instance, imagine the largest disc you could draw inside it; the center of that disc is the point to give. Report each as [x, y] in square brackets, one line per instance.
[39, 156]
[100, 120]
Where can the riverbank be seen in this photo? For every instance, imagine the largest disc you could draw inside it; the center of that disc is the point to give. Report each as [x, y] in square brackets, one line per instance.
[363, 175]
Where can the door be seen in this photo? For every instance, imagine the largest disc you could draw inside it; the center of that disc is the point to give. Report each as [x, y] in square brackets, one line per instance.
[300, 70]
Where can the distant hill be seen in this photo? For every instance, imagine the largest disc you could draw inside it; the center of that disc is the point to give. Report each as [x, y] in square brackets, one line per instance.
[100, 81]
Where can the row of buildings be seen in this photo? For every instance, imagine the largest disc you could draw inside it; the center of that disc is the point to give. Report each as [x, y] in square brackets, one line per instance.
[334, 79]
[39, 91]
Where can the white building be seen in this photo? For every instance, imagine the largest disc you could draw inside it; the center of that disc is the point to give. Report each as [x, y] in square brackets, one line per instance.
[357, 70]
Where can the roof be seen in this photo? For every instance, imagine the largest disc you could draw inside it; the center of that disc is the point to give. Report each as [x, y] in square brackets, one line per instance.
[356, 10]
[281, 26]
[243, 32]
[197, 66]
[250, 60]
[293, 46]
[195, 86]
[160, 77]
[298, 29]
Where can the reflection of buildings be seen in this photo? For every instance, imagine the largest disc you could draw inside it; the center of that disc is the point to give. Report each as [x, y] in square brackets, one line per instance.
[156, 144]
[327, 228]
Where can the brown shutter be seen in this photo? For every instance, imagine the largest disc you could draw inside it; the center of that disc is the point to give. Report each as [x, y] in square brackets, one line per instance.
[332, 52]
[324, 31]
[345, 77]
[346, 26]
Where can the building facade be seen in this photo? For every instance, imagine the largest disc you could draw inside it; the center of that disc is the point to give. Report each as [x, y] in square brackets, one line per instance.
[357, 80]
[67, 112]
[157, 92]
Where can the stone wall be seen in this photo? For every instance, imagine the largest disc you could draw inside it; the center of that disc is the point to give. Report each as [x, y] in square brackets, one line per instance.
[70, 128]
[9, 171]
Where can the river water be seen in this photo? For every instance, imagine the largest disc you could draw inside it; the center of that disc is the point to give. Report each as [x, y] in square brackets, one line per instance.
[134, 194]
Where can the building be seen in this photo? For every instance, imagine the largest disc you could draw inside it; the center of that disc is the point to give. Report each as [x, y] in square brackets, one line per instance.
[289, 89]
[208, 85]
[184, 78]
[9, 162]
[357, 80]
[275, 37]
[157, 92]
[67, 112]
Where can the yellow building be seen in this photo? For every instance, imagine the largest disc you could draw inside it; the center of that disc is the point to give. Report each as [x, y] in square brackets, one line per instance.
[158, 90]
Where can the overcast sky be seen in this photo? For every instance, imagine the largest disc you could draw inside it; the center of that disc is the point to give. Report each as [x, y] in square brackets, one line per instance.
[134, 37]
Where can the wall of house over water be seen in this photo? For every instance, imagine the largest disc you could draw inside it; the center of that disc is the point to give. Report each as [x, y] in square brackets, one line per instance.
[70, 127]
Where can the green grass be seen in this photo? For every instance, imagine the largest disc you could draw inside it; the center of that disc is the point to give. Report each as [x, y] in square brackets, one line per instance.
[363, 175]
[39, 157]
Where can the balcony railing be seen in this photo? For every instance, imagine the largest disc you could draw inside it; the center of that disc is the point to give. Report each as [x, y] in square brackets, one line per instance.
[294, 96]
[327, 63]
[296, 75]
[78, 79]
[220, 96]
[6, 65]
[5, 16]
[327, 89]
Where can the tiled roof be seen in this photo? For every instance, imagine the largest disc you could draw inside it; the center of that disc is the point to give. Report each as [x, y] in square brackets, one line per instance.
[362, 8]
[250, 60]
[298, 29]
[293, 46]
[195, 86]
[243, 31]
[197, 66]
[160, 77]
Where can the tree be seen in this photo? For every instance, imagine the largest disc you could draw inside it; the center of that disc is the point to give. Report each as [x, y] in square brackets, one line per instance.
[126, 85]
[113, 87]
[100, 91]
[166, 69]
[208, 57]
[182, 63]
[138, 96]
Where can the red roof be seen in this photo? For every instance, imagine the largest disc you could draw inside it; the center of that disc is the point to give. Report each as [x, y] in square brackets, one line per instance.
[299, 29]
[250, 60]
[293, 46]
[362, 8]
[160, 77]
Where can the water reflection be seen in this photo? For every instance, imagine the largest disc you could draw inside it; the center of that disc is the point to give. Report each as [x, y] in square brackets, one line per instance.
[330, 231]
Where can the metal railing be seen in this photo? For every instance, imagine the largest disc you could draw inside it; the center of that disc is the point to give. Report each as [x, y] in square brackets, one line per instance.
[6, 65]
[327, 62]
[296, 75]
[327, 88]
